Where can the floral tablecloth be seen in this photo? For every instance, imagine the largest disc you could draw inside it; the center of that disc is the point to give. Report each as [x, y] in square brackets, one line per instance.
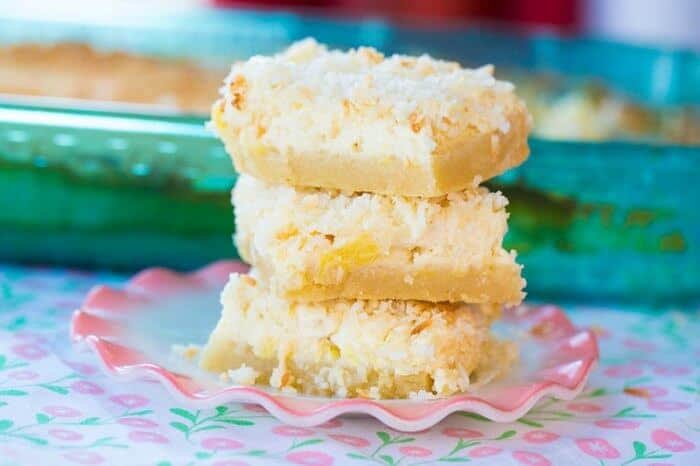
[642, 405]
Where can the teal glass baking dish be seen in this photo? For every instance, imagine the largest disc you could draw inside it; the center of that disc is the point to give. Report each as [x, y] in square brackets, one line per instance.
[614, 220]
[113, 190]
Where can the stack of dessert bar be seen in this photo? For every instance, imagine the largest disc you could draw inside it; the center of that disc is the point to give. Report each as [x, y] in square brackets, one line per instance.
[377, 263]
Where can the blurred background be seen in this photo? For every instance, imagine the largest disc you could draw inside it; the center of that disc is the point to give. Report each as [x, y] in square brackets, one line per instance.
[645, 21]
[105, 160]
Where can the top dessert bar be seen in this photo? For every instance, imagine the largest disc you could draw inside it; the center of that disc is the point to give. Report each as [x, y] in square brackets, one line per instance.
[359, 121]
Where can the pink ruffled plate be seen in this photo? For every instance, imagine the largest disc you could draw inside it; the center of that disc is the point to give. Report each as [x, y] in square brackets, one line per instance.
[133, 329]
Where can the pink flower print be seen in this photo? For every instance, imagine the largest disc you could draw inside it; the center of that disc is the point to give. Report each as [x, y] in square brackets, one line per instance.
[457, 432]
[640, 345]
[310, 458]
[290, 431]
[82, 368]
[137, 422]
[667, 405]
[143, 436]
[23, 375]
[332, 424]
[130, 401]
[671, 441]
[84, 457]
[671, 371]
[530, 458]
[623, 371]
[653, 391]
[255, 408]
[86, 388]
[481, 452]
[61, 411]
[29, 351]
[221, 443]
[646, 391]
[64, 434]
[351, 440]
[620, 424]
[540, 436]
[584, 407]
[598, 448]
[229, 463]
[414, 451]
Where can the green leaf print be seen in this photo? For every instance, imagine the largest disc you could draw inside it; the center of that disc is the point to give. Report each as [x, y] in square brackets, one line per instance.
[184, 413]
[5, 424]
[55, 389]
[461, 445]
[10, 298]
[209, 427]
[199, 422]
[235, 421]
[5, 365]
[180, 426]
[384, 437]
[357, 456]
[506, 435]
[256, 453]
[641, 453]
[42, 418]
[630, 412]
[387, 459]
[16, 324]
[475, 416]
[107, 442]
[530, 422]
[12, 392]
[403, 440]
[597, 392]
[455, 459]
[35, 440]
[90, 421]
[306, 443]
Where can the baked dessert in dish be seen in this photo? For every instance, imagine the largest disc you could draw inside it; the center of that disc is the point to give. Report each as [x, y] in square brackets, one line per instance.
[563, 108]
[79, 71]
[359, 121]
[347, 348]
[585, 109]
[310, 244]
